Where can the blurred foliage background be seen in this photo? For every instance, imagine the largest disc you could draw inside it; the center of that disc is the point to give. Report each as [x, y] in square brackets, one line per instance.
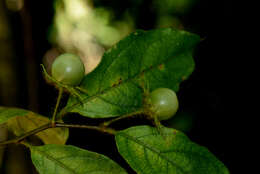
[32, 32]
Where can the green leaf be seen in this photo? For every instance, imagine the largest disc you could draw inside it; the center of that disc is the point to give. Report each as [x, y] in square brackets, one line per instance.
[60, 159]
[169, 152]
[141, 61]
[20, 121]
[8, 113]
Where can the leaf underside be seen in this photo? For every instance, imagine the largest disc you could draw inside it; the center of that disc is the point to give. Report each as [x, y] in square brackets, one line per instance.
[8, 113]
[20, 121]
[169, 151]
[142, 61]
[60, 159]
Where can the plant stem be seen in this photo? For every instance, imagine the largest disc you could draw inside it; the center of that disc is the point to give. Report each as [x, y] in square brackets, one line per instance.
[28, 145]
[82, 90]
[76, 94]
[57, 124]
[32, 132]
[49, 78]
[57, 105]
[102, 129]
[61, 113]
[107, 123]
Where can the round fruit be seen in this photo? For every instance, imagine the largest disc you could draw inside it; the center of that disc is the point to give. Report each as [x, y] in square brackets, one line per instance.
[164, 103]
[68, 69]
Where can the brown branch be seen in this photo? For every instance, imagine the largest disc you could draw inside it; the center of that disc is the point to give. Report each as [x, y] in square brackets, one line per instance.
[22, 137]
[98, 128]
[57, 124]
[107, 123]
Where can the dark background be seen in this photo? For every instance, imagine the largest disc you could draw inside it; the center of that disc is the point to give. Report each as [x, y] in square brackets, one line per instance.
[208, 93]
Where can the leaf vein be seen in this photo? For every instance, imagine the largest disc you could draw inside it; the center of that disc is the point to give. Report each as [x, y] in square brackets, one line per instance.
[55, 161]
[153, 150]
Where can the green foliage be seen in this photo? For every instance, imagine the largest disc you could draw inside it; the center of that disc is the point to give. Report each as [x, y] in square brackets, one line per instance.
[120, 87]
[55, 159]
[20, 121]
[149, 151]
[8, 113]
[152, 59]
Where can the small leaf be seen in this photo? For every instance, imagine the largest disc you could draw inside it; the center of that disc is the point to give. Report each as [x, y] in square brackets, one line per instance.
[143, 60]
[20, 121]
[61, 159]
[169, 152]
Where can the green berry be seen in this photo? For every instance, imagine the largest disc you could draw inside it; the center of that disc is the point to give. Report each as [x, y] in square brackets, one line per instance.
[68, 69]
[164, 103]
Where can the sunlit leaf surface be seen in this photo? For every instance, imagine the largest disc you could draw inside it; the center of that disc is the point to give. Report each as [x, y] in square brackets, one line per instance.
[143, 60]
[169, 151]
[60, 159]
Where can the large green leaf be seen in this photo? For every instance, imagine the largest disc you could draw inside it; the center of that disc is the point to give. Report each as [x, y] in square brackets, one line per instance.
[152, 59]
[169, 152]
[20, 121]
[61, 159]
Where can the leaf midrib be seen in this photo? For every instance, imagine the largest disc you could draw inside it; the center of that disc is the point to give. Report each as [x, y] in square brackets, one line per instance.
[160, 153]
[54, 160]
[98, 94]
[67, 168]
[153, 150]
[180, 151]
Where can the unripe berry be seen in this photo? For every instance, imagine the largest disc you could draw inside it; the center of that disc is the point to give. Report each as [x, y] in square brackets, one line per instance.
[164, 103]
[68, 69]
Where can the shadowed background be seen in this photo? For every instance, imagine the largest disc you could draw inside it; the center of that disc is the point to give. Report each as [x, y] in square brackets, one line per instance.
[34, 32]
